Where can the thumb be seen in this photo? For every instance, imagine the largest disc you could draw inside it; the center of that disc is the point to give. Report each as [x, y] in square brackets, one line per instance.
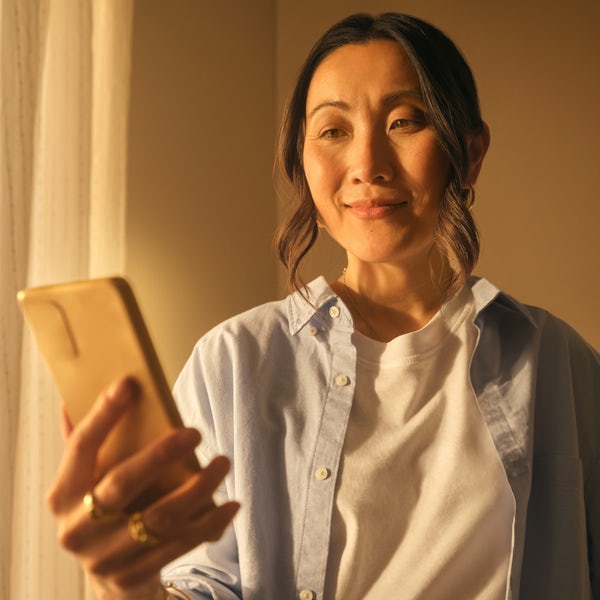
[66, 425]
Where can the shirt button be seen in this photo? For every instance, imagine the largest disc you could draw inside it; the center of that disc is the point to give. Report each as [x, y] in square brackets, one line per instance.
[341, 380]
[306, 595]
[312, 330]
[322, 474]
[334, 311]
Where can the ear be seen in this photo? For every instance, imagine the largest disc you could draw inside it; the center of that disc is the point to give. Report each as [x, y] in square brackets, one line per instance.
[477, 146]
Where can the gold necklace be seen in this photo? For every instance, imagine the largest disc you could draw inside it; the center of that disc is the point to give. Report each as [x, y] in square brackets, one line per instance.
[353, 304]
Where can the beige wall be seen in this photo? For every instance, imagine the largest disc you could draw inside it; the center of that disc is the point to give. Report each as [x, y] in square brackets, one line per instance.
[208, 84]
[201, 208]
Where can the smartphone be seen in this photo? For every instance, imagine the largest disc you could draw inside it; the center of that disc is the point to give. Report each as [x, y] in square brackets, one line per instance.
[91, 333]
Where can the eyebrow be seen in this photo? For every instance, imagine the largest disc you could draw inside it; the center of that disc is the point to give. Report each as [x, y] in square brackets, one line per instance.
[388, 100]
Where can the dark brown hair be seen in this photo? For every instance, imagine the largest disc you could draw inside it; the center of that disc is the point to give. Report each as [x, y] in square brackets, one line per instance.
[450, 96]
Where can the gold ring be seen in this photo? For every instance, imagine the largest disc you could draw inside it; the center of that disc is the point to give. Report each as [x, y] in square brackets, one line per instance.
[139, 532]
[96, 512]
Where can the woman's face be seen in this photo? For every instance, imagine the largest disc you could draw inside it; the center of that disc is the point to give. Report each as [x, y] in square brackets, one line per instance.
[373, 165]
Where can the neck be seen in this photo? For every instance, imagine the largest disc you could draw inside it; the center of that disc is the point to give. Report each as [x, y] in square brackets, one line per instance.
[388, 300]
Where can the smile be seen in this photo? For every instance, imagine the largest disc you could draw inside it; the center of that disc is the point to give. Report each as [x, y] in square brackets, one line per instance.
[374, 209]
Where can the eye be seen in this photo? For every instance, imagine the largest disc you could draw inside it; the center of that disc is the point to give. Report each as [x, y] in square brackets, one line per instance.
[331, 134]
[405, 124]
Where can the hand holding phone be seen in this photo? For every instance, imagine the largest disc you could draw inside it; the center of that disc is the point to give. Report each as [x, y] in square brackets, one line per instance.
[91, 334]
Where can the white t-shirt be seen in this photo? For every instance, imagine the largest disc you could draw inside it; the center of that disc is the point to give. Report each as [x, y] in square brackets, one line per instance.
[423, 507]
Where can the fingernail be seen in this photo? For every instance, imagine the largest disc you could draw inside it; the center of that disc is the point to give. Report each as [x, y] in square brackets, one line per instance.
[124, 390]
[189, 437]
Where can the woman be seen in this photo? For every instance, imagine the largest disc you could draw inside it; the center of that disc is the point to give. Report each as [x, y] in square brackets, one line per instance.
[407, 431]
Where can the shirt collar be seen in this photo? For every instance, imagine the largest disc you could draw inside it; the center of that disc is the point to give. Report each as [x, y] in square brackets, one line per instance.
[486, 294]
[302, 306]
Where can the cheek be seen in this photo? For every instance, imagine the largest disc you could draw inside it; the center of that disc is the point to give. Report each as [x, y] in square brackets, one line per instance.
[434, 173]
[308, 167]
[440, 168]
[316, 178]
[319, 175]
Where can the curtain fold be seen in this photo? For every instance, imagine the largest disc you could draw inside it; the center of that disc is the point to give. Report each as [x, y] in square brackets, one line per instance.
[63, 115]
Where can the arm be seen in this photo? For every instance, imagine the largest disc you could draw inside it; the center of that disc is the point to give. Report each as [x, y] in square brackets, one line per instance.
[209, 570]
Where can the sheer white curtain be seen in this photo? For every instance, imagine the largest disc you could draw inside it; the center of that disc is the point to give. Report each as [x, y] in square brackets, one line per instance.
[64, 88]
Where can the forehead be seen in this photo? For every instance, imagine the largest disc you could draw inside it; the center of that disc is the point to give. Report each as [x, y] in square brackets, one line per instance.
[378, 65]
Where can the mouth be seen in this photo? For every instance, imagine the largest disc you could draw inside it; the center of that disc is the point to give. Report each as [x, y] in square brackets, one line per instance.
[374, 208]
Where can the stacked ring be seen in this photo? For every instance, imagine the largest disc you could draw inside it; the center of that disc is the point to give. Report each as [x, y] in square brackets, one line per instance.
[96, 512]
[139, 532]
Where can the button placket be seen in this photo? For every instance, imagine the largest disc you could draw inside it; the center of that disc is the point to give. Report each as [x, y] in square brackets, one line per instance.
[342, 380]
[322, 473]
[314, 545]
[335, 312]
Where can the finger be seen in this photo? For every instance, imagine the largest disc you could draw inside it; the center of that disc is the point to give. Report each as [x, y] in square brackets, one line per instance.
[133, 571]
[124, 482]
[76, 472]
[173, 511]
[66, 424]
[168, 518]
[108, 408]
[85, 537]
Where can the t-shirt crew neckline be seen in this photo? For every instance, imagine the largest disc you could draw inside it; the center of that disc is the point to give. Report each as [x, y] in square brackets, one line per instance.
[411, 347]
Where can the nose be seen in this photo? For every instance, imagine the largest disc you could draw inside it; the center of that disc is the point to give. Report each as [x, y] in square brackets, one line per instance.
[372, 159]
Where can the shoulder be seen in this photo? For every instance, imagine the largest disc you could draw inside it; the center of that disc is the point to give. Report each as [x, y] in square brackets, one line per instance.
[253, 321]
[246, 361]
[242, 338]
[516, 338]
[494, 305]
[525, 345]
[268, 325]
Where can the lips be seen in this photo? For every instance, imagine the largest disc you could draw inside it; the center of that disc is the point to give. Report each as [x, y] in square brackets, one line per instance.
[374, 208]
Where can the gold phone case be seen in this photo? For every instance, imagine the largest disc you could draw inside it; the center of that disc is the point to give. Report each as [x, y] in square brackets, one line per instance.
[90, 334]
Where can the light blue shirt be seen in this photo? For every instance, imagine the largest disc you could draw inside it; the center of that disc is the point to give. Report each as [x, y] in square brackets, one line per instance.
[272, 389]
